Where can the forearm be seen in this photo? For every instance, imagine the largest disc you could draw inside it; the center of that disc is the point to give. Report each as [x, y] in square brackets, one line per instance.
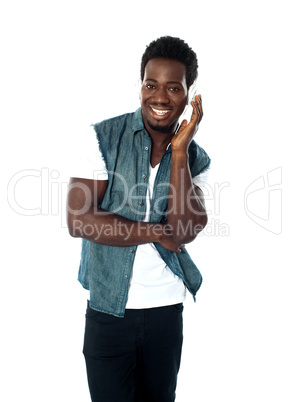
[106, 228]
[186, 210]
[87, 220]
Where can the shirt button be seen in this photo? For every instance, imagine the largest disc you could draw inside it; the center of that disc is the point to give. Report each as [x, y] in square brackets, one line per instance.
[126, 276]
[144, 176]
[132, 251]
[146, 148]
[142, 203]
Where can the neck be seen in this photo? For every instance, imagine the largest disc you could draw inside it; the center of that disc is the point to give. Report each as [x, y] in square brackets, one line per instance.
[161, 139]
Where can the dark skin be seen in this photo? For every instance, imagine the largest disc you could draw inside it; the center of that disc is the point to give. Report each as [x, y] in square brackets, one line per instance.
[163, 98]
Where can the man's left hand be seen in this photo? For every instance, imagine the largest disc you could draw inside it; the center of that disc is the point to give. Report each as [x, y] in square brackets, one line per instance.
[182, 139]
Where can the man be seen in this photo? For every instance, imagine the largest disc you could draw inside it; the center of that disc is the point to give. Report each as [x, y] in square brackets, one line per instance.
[135, 220]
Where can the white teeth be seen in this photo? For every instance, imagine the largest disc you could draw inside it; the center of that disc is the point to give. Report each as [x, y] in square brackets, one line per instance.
[159, 112]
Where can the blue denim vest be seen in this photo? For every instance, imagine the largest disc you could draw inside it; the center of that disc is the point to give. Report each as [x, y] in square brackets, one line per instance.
[106, 270]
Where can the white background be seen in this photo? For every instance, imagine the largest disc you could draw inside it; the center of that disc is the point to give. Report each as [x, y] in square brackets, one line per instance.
[68, 64]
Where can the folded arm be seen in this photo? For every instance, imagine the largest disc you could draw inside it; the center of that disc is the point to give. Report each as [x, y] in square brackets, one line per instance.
[87, 220]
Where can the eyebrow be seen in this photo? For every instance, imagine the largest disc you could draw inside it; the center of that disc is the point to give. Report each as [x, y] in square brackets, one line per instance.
[168, 82]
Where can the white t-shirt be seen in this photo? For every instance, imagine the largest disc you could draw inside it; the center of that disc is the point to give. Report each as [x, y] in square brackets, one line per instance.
[152, 283]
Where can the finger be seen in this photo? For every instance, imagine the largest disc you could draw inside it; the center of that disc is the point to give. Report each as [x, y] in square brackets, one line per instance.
[180, 248]
[200, 108]
[196, 112]
[197, 109]
[183, 125]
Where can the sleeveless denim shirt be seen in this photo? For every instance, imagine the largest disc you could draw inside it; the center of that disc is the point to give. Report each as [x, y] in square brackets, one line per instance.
[106, 270]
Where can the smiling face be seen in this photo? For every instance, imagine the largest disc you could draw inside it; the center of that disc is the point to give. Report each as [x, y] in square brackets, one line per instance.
[163, 95]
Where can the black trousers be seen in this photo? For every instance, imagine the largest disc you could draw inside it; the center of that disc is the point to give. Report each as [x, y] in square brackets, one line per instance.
[135, 358]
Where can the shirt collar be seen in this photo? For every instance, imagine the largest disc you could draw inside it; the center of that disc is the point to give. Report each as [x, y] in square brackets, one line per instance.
[138, 125]
[137, 122]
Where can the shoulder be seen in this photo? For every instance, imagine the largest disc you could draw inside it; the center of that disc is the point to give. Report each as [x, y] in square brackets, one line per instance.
[110, 133]
[114, 122]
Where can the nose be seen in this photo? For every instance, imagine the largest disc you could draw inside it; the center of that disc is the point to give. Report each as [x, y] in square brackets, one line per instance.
[161, 96]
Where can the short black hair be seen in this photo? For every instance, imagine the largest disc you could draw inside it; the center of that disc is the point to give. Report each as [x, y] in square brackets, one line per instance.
[168, 47]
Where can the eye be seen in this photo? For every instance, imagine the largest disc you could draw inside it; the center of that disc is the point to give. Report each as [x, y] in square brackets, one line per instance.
[174, 89]
[150, 86]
